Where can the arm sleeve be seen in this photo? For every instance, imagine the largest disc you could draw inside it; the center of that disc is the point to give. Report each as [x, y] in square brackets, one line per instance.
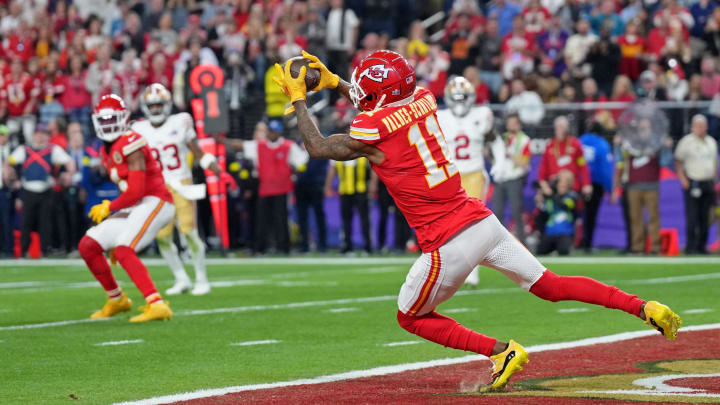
[189, 127]
[59, 156]
[17, 156]
[297, 157]
[134, 192]
[250, 151]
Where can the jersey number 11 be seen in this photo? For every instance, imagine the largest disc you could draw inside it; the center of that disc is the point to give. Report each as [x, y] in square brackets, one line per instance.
[426, 136]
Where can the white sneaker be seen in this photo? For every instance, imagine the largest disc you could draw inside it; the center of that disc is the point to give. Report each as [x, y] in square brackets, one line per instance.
[201, 289]
[180, 287]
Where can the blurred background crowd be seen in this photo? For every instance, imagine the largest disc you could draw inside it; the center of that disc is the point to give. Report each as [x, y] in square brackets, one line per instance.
[559, 71]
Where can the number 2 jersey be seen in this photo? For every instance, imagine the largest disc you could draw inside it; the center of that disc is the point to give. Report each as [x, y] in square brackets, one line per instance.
[115, 160]
[465, 136]
[417, 170]
[168, 143]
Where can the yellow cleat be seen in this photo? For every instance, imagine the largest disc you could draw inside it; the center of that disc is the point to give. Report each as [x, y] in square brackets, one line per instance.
[662, 318]
[506, 364]
[153, 312]
[113, 307]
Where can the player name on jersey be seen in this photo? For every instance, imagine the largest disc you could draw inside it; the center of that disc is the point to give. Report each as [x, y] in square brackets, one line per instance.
[408, 114]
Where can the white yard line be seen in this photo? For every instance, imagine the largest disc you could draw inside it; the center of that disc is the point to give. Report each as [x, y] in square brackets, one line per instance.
[399, 368]
[697, 311]
[255, 342]
[403, 260]
[571, 310]
[119, 342]
[341, 310]
[51, 324]
[404, 343]
[458, 310]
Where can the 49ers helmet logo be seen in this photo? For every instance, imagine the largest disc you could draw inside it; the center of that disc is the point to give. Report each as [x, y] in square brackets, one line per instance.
[376, 73]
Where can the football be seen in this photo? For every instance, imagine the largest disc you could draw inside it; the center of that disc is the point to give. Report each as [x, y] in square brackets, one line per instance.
[312, 77]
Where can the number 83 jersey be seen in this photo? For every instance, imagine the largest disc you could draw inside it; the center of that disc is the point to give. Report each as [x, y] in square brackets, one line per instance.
[418, 170]
[168, 144]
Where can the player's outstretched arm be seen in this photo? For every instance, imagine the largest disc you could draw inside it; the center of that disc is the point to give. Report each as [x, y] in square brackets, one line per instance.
[206, 160]
[336, 147]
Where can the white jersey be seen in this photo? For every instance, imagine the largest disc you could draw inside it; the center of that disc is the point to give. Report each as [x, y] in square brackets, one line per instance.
[465, 136]
[168, 144]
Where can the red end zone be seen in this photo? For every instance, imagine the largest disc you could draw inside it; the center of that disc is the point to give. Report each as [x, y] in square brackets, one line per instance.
[644, 370]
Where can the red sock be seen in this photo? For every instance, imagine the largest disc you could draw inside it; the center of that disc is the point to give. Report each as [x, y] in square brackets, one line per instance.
[555, 288]
[92, 253]
[137, 271]
[447, 332]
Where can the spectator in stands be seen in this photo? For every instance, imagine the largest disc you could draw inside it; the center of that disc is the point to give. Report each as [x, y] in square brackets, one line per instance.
[353, 177]
[314, 29]
[649, 88]
[710, 79]
[165, 34]
[518, 50]
[489, 46]
[53, 86]
[75, 195]
[342, 34]
[417, 46]
[482, 92]
[642, 170]
[696, 164]
[599, 158]
[459, 43]
[564, 151]
[511, 161]
[701, 11]
[132, 35]
[552, 41]
[76, 98]
[561, 210]
[604, 57]
[712, 32]
[18, 99]
[101, 76]
[632, 48]
[6, 200]
[578, 45]
[526, 103]
[622, 92]
[548, 85]
[433, 70]
[37, 160]
[535, 17]
[605, 17]
[505, 12]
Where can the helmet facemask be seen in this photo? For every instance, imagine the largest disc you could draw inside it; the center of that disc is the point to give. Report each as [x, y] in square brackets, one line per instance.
[110, 124]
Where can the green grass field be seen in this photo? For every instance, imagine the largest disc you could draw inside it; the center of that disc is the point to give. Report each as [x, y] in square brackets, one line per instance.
[327, 316]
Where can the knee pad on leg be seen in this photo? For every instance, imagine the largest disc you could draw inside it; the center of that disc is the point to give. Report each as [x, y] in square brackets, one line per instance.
[547, 287]
[89, 247]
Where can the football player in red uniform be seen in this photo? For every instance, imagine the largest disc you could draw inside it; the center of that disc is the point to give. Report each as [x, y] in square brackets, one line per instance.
[397, 130]
[144, 207]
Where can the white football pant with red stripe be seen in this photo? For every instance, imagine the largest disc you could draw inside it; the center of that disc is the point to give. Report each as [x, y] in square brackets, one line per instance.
[136, 230]
[437, 275]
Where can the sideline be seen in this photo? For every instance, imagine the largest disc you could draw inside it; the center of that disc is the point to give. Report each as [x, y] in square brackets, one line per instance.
[385, 370]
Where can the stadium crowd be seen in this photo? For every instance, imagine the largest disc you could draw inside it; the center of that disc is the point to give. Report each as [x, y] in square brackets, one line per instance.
[58, 57]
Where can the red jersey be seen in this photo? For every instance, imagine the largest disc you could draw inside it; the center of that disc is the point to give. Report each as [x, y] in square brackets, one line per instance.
[417, 170]
[18, 93]
[567, 154]
[115, 160]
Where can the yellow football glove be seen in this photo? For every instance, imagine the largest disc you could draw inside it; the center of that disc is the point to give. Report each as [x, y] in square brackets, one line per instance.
[292, 87]
[328, 79]
[98, 212]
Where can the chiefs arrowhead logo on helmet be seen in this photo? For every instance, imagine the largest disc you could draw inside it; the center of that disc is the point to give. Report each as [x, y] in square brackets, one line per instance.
[375, 72]
[383, 77]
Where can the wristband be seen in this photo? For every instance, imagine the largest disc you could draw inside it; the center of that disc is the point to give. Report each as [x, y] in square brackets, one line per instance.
[206, 160]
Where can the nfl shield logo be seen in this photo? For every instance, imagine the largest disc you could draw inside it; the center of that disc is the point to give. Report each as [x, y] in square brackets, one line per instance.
[117, 157]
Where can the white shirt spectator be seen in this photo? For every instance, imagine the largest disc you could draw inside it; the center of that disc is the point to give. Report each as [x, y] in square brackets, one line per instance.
[529, 107]
[577, 47]
[334, 23]
[699, 156]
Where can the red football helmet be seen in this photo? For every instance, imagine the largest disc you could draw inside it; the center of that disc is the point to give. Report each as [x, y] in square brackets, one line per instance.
[383, 77]
[110, 117]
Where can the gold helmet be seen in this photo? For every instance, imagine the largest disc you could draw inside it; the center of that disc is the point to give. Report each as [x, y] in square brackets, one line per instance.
[156, 103]
[459, 95]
